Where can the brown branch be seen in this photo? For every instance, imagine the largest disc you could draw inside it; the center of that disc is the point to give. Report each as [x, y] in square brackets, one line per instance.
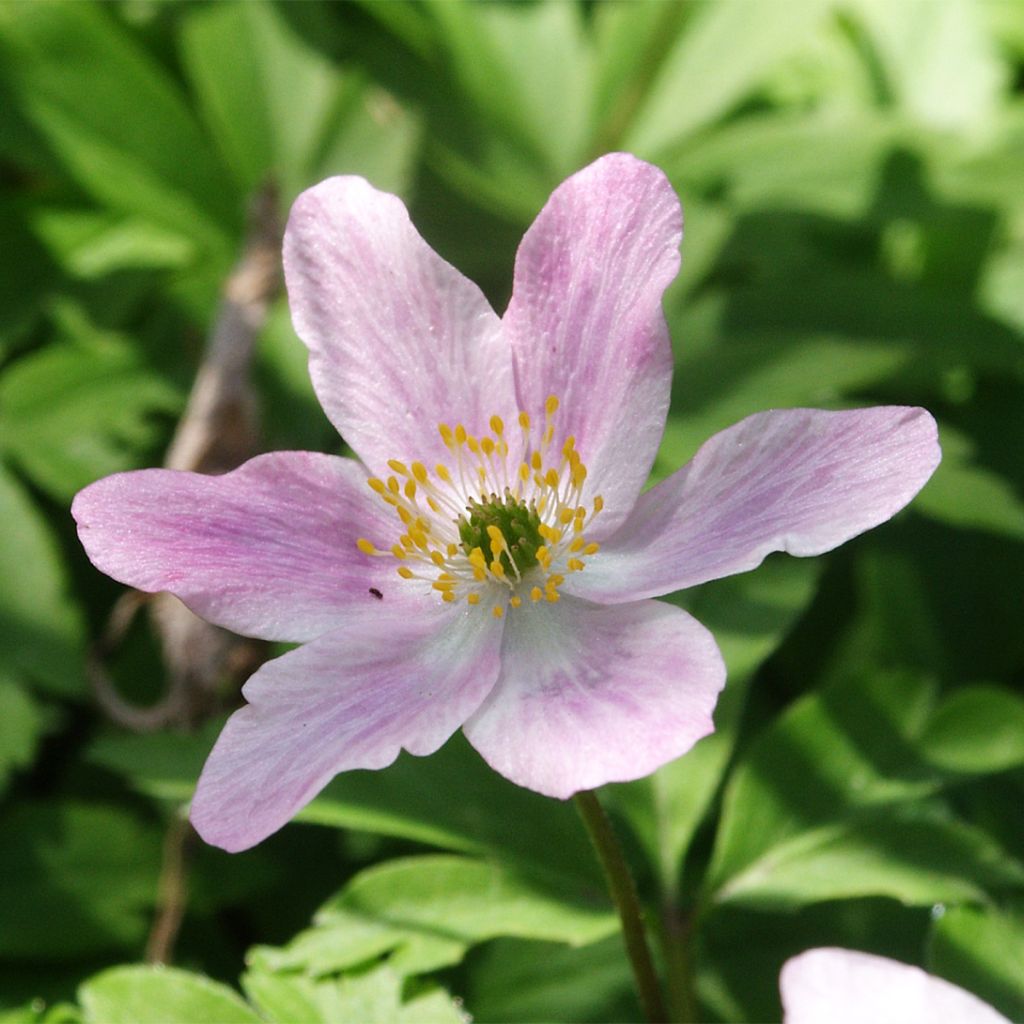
[172, 892]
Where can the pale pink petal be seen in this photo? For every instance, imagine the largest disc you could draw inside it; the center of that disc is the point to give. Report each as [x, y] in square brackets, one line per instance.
[801, 481]
[841, 986]
[351, 699]
[590, 694]
[586, 324]
[268, 550]
[399, 340]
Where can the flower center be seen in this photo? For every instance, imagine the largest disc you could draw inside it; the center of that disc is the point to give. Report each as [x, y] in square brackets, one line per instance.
[485, 530]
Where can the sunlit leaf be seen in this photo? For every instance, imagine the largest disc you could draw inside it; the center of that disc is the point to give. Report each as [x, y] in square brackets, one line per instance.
[121, 134]
[715, 63]
[977, 729]
[160, 995]
[982, 949]
[430, 909]
[914, 856]
[77, 410]
[371, 996]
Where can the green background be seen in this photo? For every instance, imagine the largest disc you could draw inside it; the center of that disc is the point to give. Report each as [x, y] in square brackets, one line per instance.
[853, 180]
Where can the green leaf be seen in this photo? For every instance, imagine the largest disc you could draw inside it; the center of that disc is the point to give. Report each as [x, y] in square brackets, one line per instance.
[268, 106]
[91, 867]
[454, 800]
[41, 630]
[531, 981]
[71, 413]
[373, 136]
[630, 41]
[829, 755]
[163, 765]
[472, 901]
[716, 389]
[967, 495]
[723, 54]
[92, 243]
[982, 950]
[912, 855]
[976, 730]
[367, 997]
[125, 136]
[941, 63]
[22, 1015]
[828, 162]
[509, 61]
[22, 725]
[411, 799]
[160, 995]
[431, 909]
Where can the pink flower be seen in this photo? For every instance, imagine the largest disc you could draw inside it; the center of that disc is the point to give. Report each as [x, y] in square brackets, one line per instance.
[487, 563]
[841, 986]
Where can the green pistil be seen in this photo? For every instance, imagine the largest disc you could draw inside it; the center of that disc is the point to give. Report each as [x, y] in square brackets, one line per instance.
[518, 522]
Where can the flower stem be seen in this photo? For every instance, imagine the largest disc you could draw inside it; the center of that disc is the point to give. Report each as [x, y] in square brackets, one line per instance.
[677, 934]
[624, 895]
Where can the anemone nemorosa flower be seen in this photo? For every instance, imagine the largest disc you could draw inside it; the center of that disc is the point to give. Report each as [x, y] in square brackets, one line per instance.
[488, 561]
[842, 986]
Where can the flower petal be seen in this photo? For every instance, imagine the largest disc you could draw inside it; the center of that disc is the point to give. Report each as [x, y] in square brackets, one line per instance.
[796, 480]
[585, 321]
[590, 694]
[350, 699]
[399, 340]
[841, 986]
[268, 550]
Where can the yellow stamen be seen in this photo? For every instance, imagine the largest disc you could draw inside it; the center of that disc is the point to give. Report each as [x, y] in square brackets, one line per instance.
[537, 498]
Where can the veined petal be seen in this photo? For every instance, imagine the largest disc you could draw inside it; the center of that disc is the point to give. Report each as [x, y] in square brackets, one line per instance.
[796, 480]
[399, 340]
[841, 986]
[585, 322]
[590, 694]
[353, 698]
[268, 550]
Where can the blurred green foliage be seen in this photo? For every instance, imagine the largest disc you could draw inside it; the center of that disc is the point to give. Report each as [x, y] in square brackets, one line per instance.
[853, 178]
